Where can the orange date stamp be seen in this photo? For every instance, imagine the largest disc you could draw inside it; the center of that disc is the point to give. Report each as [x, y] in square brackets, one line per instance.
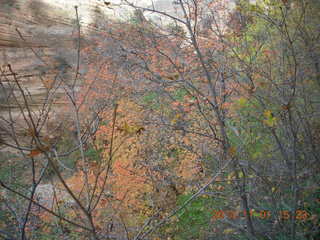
[300, 215]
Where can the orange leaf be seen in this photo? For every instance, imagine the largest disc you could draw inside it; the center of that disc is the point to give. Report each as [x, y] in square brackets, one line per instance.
[103, 202]
[34, 152]
[48, 83]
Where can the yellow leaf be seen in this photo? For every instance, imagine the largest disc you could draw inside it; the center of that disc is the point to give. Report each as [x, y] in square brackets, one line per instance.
[228, 231]
[230, 177]
[176, 118]
[268, 114]
[232, 151]
[270, 119]
[173, 121]
[242, 102]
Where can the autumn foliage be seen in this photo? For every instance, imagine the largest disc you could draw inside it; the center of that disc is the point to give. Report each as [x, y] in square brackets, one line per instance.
[171, 129]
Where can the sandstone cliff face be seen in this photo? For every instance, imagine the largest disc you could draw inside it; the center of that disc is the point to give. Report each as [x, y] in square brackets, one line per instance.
[44, 18]
[38, 40]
